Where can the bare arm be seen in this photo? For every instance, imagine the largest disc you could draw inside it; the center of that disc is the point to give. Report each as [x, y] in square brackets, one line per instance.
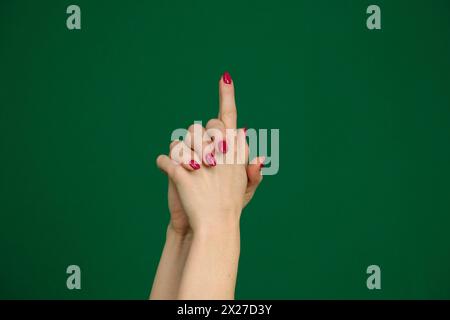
[213, 192]
[211, 268]
[168, 276]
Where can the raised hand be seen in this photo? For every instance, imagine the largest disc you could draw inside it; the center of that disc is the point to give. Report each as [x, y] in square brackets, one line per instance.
[210, 182]
[198, 151]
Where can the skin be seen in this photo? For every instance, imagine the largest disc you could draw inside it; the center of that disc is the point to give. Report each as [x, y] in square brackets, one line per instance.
[201, 253]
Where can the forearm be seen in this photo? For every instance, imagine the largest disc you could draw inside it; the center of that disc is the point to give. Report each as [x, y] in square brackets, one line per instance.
[168, 276]
[211, 268]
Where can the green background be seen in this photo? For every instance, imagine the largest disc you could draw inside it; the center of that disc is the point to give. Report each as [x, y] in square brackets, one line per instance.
[364, 119]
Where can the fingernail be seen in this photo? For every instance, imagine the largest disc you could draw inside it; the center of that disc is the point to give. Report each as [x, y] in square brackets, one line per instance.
[226, 77]
[261, 165]
[194, 165]
[223, 148]
[210, 159]
[245, 130]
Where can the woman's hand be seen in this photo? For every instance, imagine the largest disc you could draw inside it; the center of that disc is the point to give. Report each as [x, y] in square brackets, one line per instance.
[179, 222]
[209, 184]
[204, 189]
[212, 196]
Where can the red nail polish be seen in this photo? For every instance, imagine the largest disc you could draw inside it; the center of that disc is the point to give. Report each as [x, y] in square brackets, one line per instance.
[194, 165]
[245, 130]
[261, 165]
[226, 77]
[210, 159]
[223, 148]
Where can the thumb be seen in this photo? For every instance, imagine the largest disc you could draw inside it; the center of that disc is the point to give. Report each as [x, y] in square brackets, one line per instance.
[254, 173]
[166, 164]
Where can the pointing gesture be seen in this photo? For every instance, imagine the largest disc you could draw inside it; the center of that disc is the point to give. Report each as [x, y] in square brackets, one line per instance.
[206, 199]
[228, 115]
[227, 104]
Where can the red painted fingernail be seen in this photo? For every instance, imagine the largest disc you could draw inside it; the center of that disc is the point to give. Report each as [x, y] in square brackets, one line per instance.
[223, 148]
[226, 77]
[245, 129]
[211, 160]
[261, 165]
[194, 165]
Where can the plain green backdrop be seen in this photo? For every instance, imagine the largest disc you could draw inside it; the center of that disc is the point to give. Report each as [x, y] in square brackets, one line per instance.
[364, 119]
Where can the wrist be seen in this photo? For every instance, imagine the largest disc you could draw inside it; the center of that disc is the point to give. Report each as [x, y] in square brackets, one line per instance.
[180, 235]
[223, 229]
[223, 240]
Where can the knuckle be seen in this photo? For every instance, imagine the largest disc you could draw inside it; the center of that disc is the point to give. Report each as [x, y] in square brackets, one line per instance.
[229, 114]
[215, 123]
[195, 126]
[191, 128]
[211, 122]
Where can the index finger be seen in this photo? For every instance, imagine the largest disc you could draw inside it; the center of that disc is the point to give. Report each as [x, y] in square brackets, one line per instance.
[227, 104]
